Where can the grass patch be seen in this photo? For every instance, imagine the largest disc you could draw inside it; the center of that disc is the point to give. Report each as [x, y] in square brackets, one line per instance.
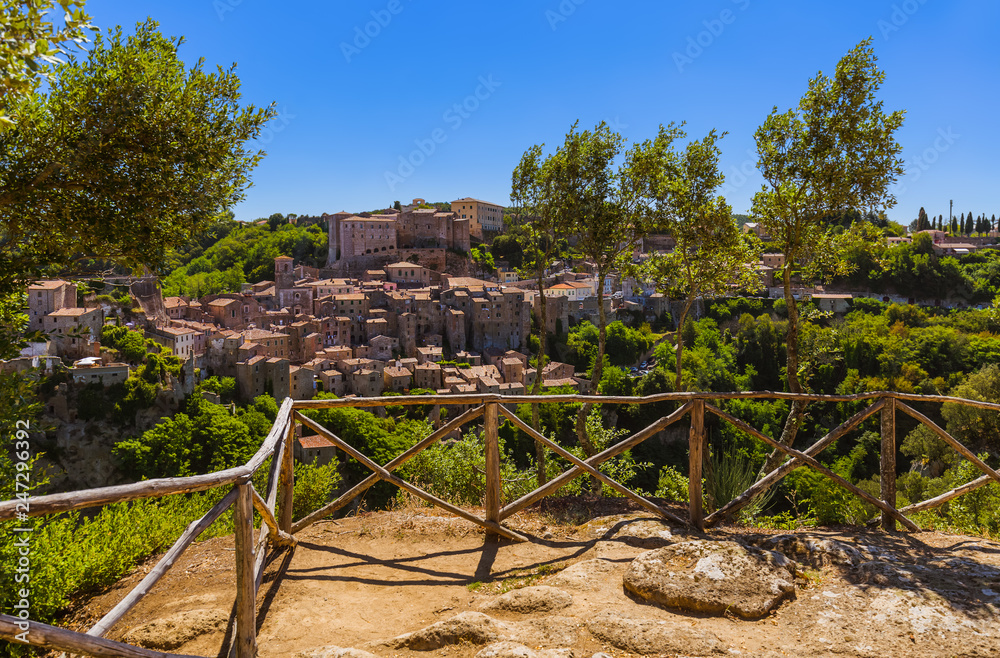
[516, 580]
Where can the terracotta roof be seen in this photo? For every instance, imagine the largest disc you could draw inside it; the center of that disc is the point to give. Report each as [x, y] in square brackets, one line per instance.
[72, 312]
[47, 285]
[316, 441]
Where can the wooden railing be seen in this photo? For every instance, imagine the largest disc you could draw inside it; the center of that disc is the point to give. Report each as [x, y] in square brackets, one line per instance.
[279, 530]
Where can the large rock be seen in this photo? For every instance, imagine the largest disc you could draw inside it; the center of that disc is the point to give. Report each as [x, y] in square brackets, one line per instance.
[334, 652]
[477, 628]
[171, 632]
[587, 575]
[515, 650]
[530, 600]
[472, 627]
[649, 636]
[714, 577]
[815, 551]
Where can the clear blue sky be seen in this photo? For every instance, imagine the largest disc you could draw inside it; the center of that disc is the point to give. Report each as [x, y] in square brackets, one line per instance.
[351, 106]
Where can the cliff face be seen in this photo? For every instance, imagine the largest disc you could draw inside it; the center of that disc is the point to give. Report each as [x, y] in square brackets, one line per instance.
[78, 454]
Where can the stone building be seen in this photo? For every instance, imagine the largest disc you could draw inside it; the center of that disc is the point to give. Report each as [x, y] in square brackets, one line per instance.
[259, 375]
[45, 297]
[485, 218]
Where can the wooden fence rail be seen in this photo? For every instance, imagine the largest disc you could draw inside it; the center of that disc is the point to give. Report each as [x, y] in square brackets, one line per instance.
[277, 528]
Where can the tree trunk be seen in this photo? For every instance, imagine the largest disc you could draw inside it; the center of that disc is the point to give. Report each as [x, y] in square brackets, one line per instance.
[794, 419]
[595, 379]
[540, 475]
[680, 342]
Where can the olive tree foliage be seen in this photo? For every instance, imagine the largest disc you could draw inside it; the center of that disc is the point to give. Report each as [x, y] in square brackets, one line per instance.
[30, 45]
[711, 257]
[125, 156]
[835, 152]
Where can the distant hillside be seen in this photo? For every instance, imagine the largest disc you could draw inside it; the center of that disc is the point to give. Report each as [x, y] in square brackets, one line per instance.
[231, 253]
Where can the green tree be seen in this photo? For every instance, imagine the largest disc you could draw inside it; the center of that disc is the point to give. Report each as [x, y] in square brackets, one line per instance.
[609, 207]
[711, 257]
[836, 151]
[138, 151]
[922, 223]
[542, 221]
[968, 224]
[31, 45]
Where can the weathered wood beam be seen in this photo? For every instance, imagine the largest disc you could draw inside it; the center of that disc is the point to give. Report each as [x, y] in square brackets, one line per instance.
[276, 434]
[931, 503]
[403, 484]
[398, 461]
[777, 474]
[276, 534]
[809, 461]
[950, 440]
[576, 461]
[194, 529]
[596, 460]
[245, 634]
[480, 398]
[287, 479]
[491, 446]
[61, 639]
[887, 463]
[696, 456]
[65, 502]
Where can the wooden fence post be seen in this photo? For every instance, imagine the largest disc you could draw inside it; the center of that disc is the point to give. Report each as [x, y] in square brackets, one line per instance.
[245, 637]
[696, 441]
[287, 475]
[888, 462]
[492, 446]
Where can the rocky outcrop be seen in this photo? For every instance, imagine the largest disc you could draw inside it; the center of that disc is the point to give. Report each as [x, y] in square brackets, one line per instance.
[334, 652]
[515, 650]
[478, 628]
[817, 552]
[587, 575]
[648, 636]
[713, 577]
[168, 633]
[531, 600]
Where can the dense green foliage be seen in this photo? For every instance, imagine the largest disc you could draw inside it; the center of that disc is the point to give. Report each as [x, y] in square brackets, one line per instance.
[121, 157]
[242, 253]
[205, 437]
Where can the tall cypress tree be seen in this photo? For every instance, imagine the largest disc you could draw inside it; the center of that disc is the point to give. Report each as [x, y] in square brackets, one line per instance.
[968, 224]
[922, 223]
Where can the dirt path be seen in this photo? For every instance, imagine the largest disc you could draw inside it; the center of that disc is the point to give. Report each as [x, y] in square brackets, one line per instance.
[357, 581]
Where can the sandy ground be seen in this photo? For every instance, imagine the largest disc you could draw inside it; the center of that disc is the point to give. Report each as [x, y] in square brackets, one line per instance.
[355, 581]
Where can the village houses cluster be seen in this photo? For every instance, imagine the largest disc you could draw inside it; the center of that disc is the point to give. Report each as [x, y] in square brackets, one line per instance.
[384, 315]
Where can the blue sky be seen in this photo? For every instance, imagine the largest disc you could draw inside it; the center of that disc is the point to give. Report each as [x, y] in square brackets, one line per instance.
[382, 100]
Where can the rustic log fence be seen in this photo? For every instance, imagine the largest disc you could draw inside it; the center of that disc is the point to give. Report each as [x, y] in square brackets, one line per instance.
[278, 529]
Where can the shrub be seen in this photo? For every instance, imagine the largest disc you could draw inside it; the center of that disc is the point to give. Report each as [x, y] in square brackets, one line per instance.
[672, 485]
[313, 486]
